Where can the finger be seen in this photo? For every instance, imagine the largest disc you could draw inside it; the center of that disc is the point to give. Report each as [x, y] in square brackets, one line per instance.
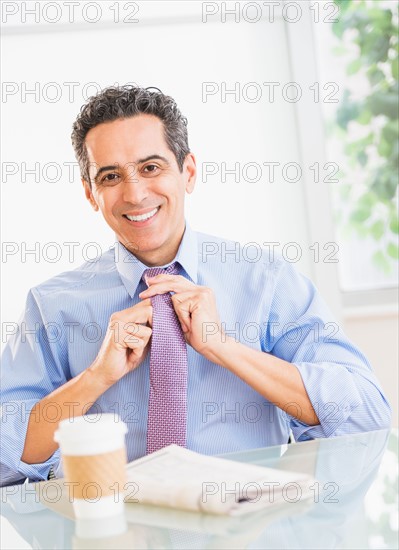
[141, 331]
[162, 287]
[137, 306]
[166, 277]
[139, 313]
[183, 306]
[136, 334]
[135, 344]
[184, 319]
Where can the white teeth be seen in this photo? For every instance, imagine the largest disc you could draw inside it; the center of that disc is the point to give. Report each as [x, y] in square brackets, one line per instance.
[143, 217]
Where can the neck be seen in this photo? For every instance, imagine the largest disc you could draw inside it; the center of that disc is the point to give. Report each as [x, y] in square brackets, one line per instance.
[161, 256]
[155, 259]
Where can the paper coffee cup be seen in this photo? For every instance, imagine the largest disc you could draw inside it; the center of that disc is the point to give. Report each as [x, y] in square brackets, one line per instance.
[105, 534]
[93, 454]
[100, 528]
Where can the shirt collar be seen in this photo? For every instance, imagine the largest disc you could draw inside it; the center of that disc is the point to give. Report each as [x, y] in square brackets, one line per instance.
[131, 269]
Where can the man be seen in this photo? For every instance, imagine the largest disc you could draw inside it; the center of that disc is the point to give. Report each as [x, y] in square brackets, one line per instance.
[94, 338]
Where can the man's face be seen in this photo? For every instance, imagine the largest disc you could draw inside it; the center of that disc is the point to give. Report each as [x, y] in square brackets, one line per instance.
[137, 185]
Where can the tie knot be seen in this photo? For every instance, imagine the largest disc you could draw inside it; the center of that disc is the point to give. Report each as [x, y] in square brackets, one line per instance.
[172, 269]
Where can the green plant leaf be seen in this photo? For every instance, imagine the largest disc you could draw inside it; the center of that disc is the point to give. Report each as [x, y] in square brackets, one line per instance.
[367, 201]
[339, 50]
[381, 261]
[382, 19]
[343, 5]
[395, 68]
[384, 103]
[385, 185]
[353, 66]
[384, 147]
[374, 47]
[358, 18]
[370, 30]
[364, 116]
[360, 215]
[390, 131]
[344, 191]
[348, 110]
[377, 230]
[362, 231]
[375, 75]
[394, 225]
[393, 250]
[354, 147]
[362, 158]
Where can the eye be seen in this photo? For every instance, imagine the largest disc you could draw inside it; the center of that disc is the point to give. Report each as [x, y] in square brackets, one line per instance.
[110, 178]
[150, 169]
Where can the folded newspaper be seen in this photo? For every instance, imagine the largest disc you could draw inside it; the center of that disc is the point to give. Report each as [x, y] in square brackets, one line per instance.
[179, 478]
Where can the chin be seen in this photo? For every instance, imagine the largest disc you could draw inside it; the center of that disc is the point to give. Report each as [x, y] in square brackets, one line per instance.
[149, 246]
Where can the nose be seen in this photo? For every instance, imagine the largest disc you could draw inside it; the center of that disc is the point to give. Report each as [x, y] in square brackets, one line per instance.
[135, 188]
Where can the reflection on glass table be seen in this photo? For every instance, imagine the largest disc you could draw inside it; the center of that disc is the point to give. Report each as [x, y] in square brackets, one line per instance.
[354, 505]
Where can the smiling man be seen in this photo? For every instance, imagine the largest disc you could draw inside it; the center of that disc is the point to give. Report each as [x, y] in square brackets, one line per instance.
[156, 330]
[138, 185]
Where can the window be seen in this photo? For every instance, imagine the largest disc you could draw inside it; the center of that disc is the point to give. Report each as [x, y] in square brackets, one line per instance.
[359, 53]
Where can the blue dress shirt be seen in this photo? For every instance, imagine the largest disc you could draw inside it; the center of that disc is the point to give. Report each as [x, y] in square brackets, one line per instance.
[263, 302]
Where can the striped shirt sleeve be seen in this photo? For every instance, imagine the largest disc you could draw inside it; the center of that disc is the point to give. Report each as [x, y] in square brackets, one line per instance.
[338, 379]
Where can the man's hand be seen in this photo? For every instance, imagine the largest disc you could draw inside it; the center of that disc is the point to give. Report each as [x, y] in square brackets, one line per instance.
[123, 349]
[195, 308]
[125, 344]
[277, 380]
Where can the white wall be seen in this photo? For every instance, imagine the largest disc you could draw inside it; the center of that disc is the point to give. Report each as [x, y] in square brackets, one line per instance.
[176, 58]
[376, 334]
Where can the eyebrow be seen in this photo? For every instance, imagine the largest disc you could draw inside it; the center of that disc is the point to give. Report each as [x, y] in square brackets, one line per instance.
[139, 161]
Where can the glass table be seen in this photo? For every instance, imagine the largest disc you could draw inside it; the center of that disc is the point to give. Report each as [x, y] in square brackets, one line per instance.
[354, 504]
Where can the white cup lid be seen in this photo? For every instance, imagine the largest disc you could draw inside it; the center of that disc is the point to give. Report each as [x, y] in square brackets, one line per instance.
[93, 427]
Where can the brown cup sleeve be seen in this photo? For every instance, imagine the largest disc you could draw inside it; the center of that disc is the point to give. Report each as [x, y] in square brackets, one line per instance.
[93, 476]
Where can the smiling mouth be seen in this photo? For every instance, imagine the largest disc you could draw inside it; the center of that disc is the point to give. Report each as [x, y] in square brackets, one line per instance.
[142, 217]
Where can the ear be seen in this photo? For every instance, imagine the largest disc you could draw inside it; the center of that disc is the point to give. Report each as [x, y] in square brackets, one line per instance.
[89, 195]
[190, 171]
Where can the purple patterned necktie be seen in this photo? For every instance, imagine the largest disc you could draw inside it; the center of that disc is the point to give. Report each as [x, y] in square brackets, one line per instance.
[167, 407]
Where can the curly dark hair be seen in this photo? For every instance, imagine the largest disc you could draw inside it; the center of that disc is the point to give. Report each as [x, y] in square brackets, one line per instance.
[118, 102]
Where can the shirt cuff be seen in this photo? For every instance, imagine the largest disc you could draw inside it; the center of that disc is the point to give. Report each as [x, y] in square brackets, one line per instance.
[40, 471]
[333, 394]
[10, 477]
[14, 425]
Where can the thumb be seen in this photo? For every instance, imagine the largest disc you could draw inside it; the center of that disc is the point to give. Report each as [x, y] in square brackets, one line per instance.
[182, 310]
